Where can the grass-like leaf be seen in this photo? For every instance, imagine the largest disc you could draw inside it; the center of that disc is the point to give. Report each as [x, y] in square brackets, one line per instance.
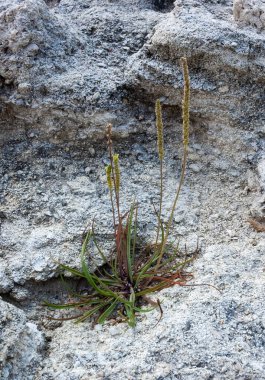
[107, 312]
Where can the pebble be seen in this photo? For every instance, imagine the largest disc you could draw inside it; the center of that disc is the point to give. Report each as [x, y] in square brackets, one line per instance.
[223, 89]
[179, 218]
[19, 294]
[114, 330]
[88, 170]
[195, 168]
[96, 96]
[92, 151]
[47, 213]
[32, 49]
[24, 88]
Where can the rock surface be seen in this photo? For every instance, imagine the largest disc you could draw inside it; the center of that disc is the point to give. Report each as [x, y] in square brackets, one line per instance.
[249, 12]
[220, 56]
[21, 344]
[62, 67]
[67, 68]
[203, 334]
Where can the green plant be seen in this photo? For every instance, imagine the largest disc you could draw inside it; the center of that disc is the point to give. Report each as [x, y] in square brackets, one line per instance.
[134, 271]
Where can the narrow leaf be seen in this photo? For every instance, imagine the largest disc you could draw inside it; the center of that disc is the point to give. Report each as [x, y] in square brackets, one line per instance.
[107, 312]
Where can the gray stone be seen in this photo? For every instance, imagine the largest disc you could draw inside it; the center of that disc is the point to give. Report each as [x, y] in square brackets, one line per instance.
[250, 12]
[214, 46]
[261, 172]
[203, 333]
[21, 344]
[69, 67]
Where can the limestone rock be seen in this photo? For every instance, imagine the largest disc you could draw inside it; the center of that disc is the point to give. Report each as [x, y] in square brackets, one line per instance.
[62, 66]
[203, 333]
[250, 12]
[21, 344]
[225, 62]
[67, 68]
[261, 172]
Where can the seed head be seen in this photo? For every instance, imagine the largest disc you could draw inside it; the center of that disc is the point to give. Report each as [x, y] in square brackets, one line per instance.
[109, 179]
[116, 171]
[185, 101]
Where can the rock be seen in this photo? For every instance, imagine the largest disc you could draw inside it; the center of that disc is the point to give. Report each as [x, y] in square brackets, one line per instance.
[68, 68]
[19, 293]
[261, 172]
[71, 68]
[92, 151]
[6, 282]
[21, 344]
[256, 184]
[47, 225]
[219, 55]
[250, 12]
[24, 88]
[203, 333]
[196, 168]
[64, 91]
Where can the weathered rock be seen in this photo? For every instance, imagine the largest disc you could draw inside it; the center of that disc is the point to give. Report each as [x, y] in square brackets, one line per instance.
[225, 62]
[53, 194]
[203, 333]
[21, 344]
[62, 75]
[258, 205]
[61, 67]
[250, 12]
[69, 67]
[261, 172]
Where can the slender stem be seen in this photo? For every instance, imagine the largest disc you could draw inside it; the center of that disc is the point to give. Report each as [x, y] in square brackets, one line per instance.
[160, 148]
[113, 210]
[169, 224]
[118, 229]
[160, 201]
[118, 232]
[134, 235]
[185, 123]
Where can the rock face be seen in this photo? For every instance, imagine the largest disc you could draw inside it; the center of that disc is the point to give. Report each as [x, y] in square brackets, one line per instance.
[67, 68]
[62, 67]
[249, 12]
[21, 344]
[204, 334]
[219, 54]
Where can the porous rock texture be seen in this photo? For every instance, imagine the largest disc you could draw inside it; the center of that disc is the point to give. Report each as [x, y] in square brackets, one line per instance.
[249, 12]
[21, 343]
[67, 68]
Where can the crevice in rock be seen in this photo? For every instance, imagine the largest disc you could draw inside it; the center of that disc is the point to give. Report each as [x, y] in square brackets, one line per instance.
[163, 6]
[160, 6]
[9, 299]
[52, 3]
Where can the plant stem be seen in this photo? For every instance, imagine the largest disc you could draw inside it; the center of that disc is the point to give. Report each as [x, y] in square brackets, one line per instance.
[160, 148]
[113, 209]
[160, 201]
[185, 124]
[169, 224]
